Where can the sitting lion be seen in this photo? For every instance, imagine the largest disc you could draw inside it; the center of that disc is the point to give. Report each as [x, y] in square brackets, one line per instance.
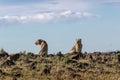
[44, 47]
[77, 48]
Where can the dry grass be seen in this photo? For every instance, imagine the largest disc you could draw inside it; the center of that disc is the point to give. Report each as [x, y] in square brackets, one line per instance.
[102, 66]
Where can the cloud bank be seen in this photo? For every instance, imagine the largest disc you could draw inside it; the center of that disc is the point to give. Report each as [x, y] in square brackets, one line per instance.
[24, 11]
[47, 16]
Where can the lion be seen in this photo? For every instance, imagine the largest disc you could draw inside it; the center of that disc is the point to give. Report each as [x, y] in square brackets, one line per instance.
[77, 48]
[44, 47]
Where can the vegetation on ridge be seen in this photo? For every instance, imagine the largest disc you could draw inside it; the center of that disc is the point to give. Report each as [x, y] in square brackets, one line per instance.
[88, 66]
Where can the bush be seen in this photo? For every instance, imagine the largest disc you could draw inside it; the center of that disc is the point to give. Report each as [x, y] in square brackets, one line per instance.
[66, 59]
[2, 51]
[118, 57]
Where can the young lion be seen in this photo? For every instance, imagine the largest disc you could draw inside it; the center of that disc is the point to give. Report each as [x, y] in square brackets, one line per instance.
[44, 47]
[77, 48]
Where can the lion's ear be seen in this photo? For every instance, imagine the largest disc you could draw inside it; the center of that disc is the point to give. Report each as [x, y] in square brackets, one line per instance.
[78, 39]
[39, 41]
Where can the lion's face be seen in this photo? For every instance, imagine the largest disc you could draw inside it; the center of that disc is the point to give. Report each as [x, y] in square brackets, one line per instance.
[78, 41]
[38, 42]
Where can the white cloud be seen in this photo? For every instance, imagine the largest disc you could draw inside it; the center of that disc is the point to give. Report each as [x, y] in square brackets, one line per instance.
[86, 14]
[53, 5]
[50, 10]
[46, 16]
[43, 16]
[66, 13]
[54, 10]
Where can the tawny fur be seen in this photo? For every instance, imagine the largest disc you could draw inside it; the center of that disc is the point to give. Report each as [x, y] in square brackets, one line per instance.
[77, 48]
[44, 47]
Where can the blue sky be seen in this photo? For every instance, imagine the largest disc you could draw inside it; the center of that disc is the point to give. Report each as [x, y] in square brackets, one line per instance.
[59, 22]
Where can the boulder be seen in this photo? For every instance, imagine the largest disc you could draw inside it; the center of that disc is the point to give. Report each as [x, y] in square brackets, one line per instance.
[82, 65]
[7, 63]
[46, 70]
[3, 73]
[14, 57]
[76, 56]
[4, 55]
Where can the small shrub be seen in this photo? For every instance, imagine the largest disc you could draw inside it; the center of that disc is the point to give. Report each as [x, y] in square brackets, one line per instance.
[66, 59]
[59, 54]
[118, 57]
[2, 51]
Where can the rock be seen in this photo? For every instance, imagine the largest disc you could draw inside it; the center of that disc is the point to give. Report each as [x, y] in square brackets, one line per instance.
[27, 61]
[105, 59]
[60, 72]
[90, 57]
[70, 69]
[82, 65]
[14, 57]
[3, 73]
[4, 55]
[118, 57]
[17, 69]
[109, 65]
[33, 65]
[46, 70]
[59, 54]
[14, 78]
[16, 74]
[7, 63]
[99, 58]
[71, 61]
[76, 56]
[50, 55]
[31, 55]
[73, 75]
[45, 61]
